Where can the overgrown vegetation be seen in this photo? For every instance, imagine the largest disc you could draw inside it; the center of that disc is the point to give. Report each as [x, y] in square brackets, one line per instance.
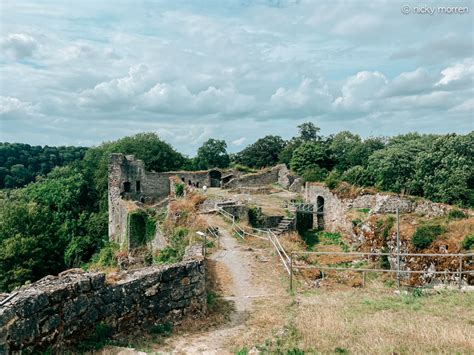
[255, 216]
[456, 214]
[172, 253]
[60, 220]
[97, 340]
[468, 242]
[179, 190]
[21, 163]
[425, 235]
[141, 228]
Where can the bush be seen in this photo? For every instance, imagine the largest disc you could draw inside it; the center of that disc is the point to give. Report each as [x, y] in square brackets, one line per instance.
[174, 252]
[384, 262]
[163, 329]
[332, 180]
[255, 217]
[106, 257]
[456, 214]
[97, 340]
[357, 175]
[468, 242]
[243, 168]
[179, 190]
[425, 235]
[314, 174]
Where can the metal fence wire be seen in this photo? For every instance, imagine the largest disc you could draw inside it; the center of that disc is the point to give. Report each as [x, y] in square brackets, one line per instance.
[461, 257]
[291, 264]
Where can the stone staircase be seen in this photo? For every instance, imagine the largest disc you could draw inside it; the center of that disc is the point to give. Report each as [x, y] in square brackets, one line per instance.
[285, 225]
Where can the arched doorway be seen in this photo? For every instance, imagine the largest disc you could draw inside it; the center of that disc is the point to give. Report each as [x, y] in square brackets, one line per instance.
[127, 187]
[320, 211]
[215, 177]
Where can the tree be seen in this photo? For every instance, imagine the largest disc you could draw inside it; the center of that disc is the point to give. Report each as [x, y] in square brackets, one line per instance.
[345, 147]
[308, 132]
[212, 154]
[393, 168]
[445, 173]
[263, 153]
[155, 153]
[310, 155]
[42, 221]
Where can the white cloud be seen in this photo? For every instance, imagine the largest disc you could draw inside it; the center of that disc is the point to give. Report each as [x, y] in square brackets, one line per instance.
[308, 97]
[409, 83]
[460, 73]
[117, 92]
[18, 45]
[466, 106]
[12, 108]
[239, 142]
[360, 91]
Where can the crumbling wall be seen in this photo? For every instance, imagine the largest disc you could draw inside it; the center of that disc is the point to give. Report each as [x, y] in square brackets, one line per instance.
[277, 174]
[129, 182]
[335, 208]
[57, 311]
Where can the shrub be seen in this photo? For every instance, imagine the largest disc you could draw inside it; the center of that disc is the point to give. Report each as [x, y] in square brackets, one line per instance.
[244, 168]
[384, 262]
[468, 242]
[97, 340]
[179, 190]
[456, 214]
[163, 329]
[167, 255]
[425, 235]
[314, 174]
[357, 175]
[255, 217]
[332, 180]
[173, 253]
[105, 257]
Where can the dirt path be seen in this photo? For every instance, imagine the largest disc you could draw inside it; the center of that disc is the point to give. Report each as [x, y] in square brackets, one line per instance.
[247, 274]
[234, 262]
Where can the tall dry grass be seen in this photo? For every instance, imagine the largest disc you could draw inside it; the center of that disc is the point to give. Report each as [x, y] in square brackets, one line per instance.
[375, 322]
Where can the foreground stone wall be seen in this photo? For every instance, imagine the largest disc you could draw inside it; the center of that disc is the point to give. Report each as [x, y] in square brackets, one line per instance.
[57, 311]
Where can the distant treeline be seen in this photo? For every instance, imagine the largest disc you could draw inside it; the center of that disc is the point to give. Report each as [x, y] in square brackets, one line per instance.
[60, 220]
[21, 163]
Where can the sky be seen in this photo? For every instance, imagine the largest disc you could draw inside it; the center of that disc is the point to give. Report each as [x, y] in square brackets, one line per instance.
[84, 72]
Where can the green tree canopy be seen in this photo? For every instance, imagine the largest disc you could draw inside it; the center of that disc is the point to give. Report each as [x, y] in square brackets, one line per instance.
[310, 155]
[263, 153]
[212, 154]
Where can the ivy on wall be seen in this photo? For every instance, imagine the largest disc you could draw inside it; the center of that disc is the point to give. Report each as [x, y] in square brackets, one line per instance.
[141, 228]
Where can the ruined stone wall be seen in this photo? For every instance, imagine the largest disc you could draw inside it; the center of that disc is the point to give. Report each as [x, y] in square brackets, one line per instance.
[128, 181]
[269, 176]
[57, 311]
[335, 208]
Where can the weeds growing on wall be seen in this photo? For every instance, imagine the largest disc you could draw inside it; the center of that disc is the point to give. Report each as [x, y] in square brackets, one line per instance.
[456, 214]
[425, 235]
[97, 340]
[105, 258]
[178, 241]
[468, 242]
[255, 217]
[141, 228]
[179, 190]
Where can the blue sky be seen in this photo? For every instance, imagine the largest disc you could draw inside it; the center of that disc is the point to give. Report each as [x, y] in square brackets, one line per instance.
[82, 72]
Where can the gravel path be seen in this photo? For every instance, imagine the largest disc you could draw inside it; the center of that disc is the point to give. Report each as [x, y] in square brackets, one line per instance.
[237, 260]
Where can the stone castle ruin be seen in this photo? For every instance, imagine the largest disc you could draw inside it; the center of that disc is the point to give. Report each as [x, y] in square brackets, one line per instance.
[131, 188]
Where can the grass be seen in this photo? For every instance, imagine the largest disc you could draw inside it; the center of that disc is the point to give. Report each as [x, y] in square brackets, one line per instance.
[368, 321]
[377, 321]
